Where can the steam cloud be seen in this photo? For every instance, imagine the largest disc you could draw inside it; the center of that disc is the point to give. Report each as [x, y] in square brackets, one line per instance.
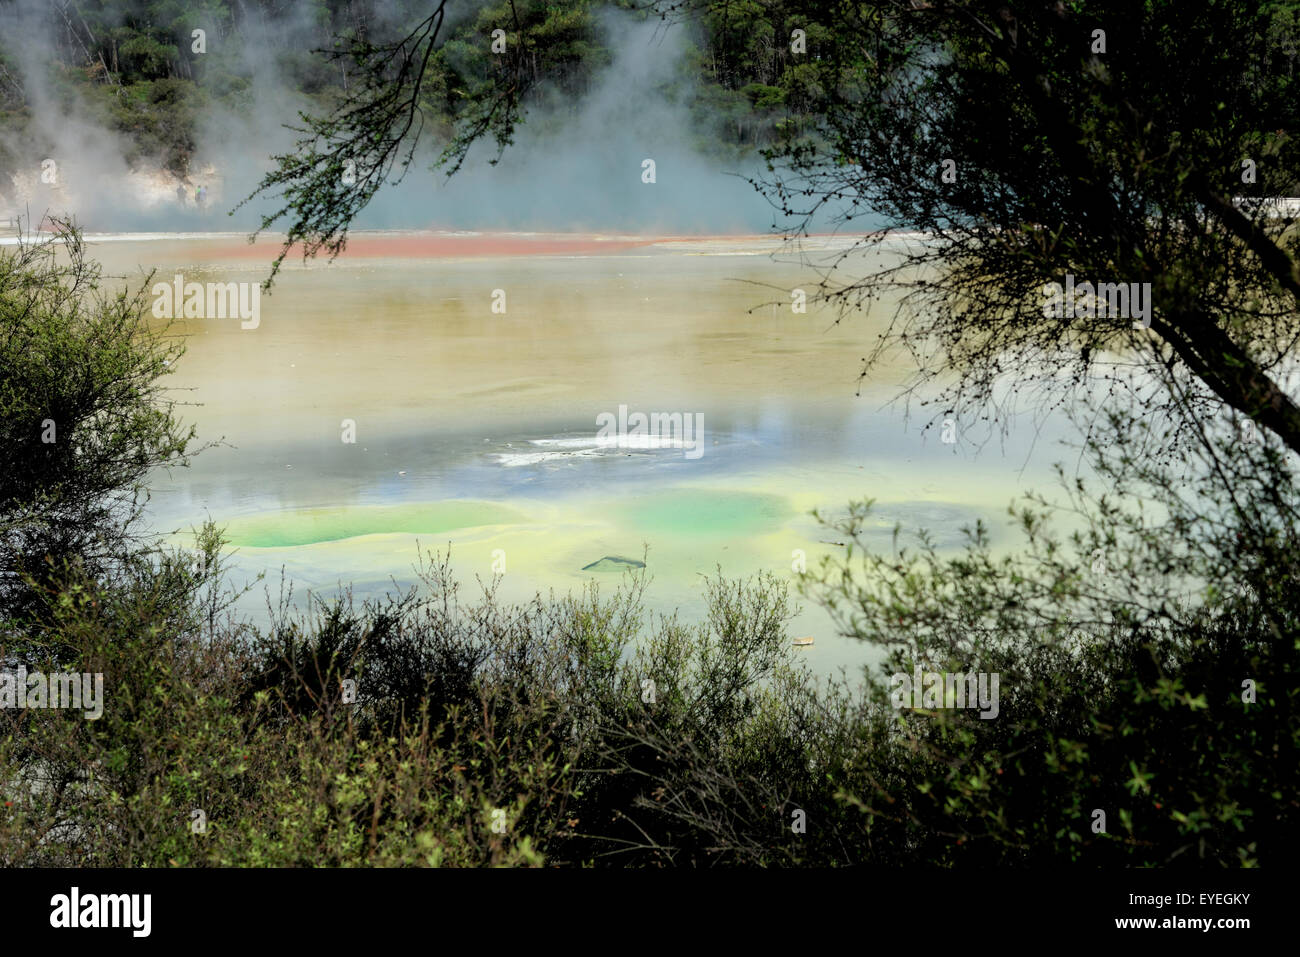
[567, 170]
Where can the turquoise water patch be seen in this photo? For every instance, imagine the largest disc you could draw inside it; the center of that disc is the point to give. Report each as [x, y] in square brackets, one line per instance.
[309, 526]
[707, 513]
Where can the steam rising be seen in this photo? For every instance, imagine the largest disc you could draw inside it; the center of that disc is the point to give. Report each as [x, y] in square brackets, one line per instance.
[567, 170]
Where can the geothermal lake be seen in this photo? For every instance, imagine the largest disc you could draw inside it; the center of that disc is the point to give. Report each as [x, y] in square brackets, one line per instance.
[478, 429]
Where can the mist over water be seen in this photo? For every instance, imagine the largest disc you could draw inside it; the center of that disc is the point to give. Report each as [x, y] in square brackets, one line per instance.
[585, 172]
[574, 165]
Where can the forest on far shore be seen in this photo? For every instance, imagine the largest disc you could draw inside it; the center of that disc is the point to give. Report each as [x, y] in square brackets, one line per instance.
[132, 67]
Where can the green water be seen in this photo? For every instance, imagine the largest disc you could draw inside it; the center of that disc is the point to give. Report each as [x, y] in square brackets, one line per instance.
[705, 513]
[312, 526]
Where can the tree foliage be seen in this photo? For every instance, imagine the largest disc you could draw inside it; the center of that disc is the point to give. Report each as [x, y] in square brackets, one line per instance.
[84, 414]
[1019, 143]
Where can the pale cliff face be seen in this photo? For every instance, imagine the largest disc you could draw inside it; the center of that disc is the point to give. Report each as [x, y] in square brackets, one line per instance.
[96, 198]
